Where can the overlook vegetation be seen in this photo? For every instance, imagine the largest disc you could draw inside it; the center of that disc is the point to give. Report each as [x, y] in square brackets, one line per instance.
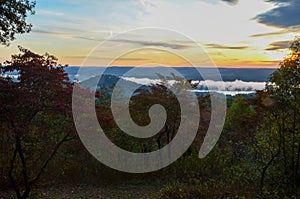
[41, 155]
[257, 156]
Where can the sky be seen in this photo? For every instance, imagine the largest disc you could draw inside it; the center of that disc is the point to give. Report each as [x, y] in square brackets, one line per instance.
[233, 33]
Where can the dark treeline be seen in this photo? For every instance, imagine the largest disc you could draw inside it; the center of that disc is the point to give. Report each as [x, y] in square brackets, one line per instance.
[257, 156]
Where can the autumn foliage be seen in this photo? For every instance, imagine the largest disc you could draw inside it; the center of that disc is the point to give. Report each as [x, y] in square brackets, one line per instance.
[35, 117]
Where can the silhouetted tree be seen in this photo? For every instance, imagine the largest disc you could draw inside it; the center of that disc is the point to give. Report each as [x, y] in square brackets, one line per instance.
[161, 94]
[13, 15]
[35, 116]
[280, 132]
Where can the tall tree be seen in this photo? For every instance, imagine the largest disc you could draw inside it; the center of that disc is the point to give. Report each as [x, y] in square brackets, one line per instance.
[13, 14]
[35, 116]
[280, 133]
[161, 93]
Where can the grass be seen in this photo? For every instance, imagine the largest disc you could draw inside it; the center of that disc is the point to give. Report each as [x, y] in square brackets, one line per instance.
[83, 191]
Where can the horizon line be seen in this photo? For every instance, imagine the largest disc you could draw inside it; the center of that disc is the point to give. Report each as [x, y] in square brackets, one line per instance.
[207, 67]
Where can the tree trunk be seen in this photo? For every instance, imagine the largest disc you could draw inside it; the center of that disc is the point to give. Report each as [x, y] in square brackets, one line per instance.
[265, 168]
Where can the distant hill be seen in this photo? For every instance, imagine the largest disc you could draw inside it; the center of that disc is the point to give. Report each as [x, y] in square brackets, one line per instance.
[109, 81]
[228, 74]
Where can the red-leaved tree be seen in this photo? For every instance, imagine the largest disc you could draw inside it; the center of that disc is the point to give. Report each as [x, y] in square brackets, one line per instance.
[35, 116]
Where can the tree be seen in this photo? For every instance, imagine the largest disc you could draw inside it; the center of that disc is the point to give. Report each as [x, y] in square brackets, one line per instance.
[35, 116]
[13, 15]
[279, 139]
[239, 128]
[161, 95]
[165, 94]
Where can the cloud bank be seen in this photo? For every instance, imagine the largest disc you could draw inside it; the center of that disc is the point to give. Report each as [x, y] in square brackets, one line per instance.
[279, 45]
[286, 14]
[220, 46]
[232, 2]
[147, 43]
[237, 85]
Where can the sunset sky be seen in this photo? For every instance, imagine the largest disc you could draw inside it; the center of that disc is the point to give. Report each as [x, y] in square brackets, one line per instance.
[245, 33]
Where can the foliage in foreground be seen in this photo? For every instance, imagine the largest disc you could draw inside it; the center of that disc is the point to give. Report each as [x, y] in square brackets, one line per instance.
[35, 117]
[257, 156]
